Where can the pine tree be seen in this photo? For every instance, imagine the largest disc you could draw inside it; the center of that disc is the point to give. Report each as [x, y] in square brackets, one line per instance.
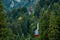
[44, 23]
[5, 31]
[52, 26]
[54, 22]
[57, 7]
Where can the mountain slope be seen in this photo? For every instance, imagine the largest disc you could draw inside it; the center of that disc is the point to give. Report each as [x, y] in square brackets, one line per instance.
[11, 4]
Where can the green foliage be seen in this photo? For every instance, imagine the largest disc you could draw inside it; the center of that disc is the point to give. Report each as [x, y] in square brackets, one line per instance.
[5, 31]
[48, 20]
[52, 26]
[22, 26]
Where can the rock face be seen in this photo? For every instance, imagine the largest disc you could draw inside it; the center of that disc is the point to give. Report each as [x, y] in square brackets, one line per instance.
[11, 4]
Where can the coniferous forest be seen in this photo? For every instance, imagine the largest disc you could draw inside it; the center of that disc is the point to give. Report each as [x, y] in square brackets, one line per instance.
[41, 21]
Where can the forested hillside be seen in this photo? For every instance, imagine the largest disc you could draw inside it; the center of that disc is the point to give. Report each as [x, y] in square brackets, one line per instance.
[40, 22]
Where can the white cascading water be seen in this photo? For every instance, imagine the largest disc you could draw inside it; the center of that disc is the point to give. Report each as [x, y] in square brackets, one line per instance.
[18, 1]
[12, 4]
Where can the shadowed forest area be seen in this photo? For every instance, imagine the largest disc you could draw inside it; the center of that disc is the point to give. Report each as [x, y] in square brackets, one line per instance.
[39, 22]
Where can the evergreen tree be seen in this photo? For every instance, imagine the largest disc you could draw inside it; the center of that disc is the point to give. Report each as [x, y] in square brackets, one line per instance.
[44, 23]
[5, 31]
[53, 26]
[57, 7]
